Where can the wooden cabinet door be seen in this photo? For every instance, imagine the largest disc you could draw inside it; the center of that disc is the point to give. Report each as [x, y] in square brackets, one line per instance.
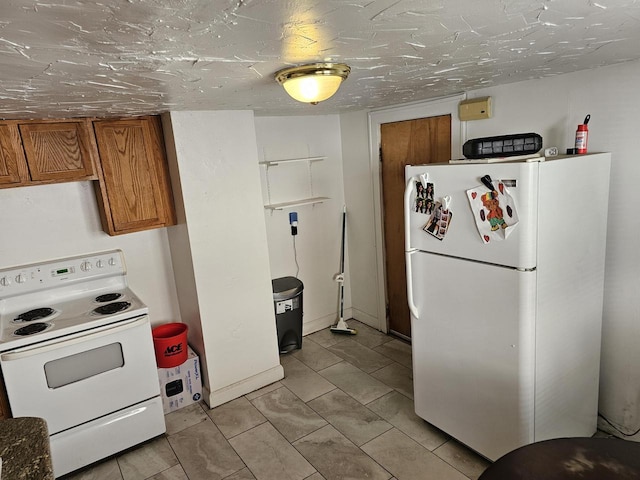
[58, 151]
[135, 187]
[13, 167]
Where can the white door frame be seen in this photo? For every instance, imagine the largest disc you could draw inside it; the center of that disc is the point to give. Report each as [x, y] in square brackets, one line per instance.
[442, 106]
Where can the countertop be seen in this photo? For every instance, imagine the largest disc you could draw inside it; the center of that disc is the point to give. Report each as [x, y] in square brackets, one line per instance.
[24, 448]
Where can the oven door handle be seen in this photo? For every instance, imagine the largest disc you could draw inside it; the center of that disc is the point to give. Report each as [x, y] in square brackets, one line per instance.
[73, 339]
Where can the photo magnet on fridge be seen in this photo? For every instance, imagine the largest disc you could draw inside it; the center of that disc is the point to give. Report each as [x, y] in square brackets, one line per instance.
[439, 221]
[424, 198]
[428, 192]
[493, 210]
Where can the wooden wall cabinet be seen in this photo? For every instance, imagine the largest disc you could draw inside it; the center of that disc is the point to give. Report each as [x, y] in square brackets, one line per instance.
[126, 156]
[58, 151]
[13, 166]
[47, 151]
[135, 189]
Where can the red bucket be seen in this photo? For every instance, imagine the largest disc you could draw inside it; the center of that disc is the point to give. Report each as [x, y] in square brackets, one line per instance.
[170, 344]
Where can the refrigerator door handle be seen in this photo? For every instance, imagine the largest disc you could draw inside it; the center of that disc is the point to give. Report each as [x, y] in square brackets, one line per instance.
[412, 307]
[407, 244]
[408, 189]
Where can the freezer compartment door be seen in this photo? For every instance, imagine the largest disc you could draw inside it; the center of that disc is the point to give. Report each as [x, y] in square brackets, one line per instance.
[473, 351]
[462, 238]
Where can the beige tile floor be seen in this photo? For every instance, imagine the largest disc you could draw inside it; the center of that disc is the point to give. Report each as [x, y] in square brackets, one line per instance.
[343, 411]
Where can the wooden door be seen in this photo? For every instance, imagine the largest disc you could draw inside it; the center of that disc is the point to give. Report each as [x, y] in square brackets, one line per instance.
[58, 151]
[411, 142]
[13, 166]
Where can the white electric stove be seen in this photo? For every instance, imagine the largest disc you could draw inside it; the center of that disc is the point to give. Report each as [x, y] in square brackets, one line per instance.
[76, 349]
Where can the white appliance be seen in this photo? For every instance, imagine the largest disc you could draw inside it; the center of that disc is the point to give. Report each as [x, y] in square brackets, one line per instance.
[76, 349]
[506, 335]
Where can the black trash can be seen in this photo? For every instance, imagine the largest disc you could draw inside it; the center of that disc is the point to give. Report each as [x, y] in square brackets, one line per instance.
[287, 303]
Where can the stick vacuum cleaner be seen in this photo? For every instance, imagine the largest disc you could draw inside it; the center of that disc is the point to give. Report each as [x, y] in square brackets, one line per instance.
[341, 326]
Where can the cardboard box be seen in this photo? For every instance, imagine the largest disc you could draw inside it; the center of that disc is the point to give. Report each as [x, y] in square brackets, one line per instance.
[182, 385]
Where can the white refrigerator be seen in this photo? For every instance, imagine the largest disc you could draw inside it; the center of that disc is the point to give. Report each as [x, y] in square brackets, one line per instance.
[506, 334]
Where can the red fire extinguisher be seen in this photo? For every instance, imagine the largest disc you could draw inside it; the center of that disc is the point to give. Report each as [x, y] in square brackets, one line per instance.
[582, 135]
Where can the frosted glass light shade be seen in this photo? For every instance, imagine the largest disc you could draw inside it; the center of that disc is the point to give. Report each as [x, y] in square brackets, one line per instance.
[312, 89]
[313, 83]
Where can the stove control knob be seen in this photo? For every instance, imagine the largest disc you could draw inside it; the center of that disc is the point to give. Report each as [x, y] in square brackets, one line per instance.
[5, 281]
[21, 278]
[85, 266]
[100, 264]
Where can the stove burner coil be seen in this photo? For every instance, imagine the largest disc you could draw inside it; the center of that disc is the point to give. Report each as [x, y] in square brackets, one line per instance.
[32, 329]
[111, 308]
[108, 297]
[35, 314]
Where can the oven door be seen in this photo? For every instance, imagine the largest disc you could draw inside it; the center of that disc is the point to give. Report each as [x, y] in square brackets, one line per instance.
[83, 376]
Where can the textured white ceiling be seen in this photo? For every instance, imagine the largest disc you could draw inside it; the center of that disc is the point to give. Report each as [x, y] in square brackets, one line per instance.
[78, 58]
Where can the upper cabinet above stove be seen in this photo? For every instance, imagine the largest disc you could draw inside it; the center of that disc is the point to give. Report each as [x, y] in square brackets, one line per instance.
[135, 188]
[125, 155]
[46, 151]
[58, 150]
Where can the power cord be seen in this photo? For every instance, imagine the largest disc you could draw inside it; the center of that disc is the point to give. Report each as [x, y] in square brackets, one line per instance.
[293, 221]
[295, 255]
[617, 429]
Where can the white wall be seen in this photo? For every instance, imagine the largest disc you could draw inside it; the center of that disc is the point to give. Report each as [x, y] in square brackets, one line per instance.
[361, 228]
[47, 222]
[319, 225]
[223, 278]
[553, 107]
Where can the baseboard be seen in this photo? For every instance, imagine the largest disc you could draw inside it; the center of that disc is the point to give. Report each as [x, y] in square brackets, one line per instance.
[330, 320]
[248, 385]
[606, 428]
[323, 322]
[367, 319]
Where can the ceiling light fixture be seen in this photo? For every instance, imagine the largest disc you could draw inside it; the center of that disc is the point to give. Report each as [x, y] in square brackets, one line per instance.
[314, 82]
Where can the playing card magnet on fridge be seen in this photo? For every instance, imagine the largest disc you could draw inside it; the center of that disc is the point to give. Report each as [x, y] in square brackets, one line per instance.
[493, 210]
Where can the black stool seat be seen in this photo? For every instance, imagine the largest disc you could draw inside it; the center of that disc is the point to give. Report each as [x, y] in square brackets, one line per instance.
[569, 459]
